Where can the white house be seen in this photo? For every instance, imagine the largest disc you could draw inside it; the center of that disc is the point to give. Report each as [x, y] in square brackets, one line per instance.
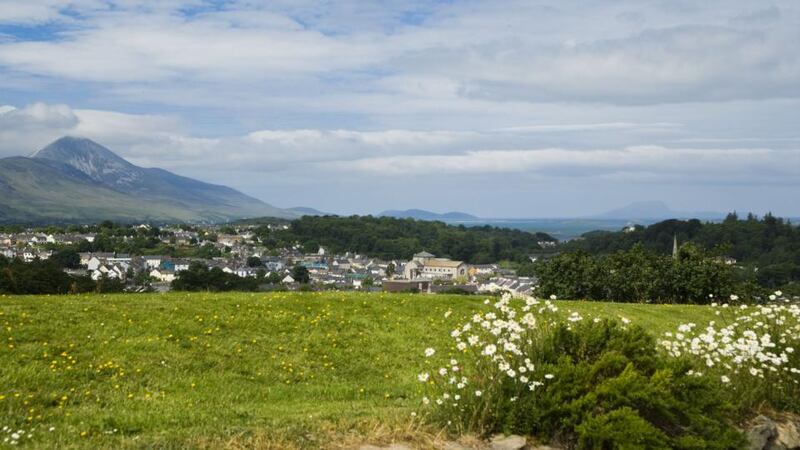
[93, 263]
[244, 272]
[166, 276]
[180, 266]
[153, 262]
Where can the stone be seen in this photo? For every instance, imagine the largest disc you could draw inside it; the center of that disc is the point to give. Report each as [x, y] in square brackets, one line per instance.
[788, 436]
[513, 442]
[762, 432]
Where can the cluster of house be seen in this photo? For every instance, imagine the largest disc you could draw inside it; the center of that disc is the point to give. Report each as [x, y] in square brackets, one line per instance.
[29, 245]
[346, 271]
[521, 286]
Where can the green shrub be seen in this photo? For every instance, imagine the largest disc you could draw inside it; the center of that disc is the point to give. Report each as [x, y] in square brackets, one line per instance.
[610, 389]
[750, 350]
[601, 385]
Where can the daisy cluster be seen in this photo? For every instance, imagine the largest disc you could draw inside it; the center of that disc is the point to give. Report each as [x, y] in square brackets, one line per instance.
[14, 435]
[758, 341]
[495, 344]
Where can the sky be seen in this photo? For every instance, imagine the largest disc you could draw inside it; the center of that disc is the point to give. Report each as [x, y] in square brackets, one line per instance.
[500, 109]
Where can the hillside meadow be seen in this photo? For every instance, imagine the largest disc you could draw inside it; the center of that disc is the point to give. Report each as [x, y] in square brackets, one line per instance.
[208, 370]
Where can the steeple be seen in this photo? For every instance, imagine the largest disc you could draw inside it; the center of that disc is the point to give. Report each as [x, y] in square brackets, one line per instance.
[675, 246]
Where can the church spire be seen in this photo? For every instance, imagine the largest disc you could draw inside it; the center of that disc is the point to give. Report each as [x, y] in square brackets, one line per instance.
[675, 246]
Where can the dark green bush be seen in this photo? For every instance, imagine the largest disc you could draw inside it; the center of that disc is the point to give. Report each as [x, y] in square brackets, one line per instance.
[637, 275]
[612, 390]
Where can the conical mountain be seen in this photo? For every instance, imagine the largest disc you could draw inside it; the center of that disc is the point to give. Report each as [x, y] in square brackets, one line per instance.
[78, 180]
[91, 158]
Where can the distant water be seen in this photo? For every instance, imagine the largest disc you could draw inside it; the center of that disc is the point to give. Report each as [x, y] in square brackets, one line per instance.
[561, 229]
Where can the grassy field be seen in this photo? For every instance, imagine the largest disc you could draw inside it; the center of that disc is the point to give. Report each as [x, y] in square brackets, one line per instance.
[208, 370]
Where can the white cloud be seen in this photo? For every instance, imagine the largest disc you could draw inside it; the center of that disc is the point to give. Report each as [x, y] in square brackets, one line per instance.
[29, 11]
[349, 137]
[589, 127]
[154, 140]
[653, 163]
[27, 129]
[23, 130]
[487, 51]
[303, 91]
[150, 47]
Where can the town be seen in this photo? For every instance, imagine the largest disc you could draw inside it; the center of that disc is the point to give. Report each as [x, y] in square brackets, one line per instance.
[238, 250]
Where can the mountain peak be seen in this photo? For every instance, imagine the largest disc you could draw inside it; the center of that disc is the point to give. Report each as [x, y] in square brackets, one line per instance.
[68, 147]
[655, 210]
[77, 180]
[91, 158]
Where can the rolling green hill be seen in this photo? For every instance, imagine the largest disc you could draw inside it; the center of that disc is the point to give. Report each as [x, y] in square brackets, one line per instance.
[77, 180]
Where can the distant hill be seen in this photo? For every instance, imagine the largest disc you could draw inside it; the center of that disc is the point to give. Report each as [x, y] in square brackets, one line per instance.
[421, 214]
[306, 211]
[655, 210]
[78, 180]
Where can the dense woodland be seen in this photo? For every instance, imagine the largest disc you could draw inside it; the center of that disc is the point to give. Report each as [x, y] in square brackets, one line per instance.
[768, 248]
[640, 275]
[391, 238]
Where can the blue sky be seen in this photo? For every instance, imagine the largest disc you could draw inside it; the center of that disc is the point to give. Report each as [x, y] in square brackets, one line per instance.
[504, 109]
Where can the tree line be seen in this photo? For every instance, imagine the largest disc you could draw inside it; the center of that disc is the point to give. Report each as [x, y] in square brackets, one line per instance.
[392, 238]
[768, 248]
[642, 275]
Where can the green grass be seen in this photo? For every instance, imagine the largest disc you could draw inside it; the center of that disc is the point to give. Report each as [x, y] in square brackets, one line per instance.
[186, 370]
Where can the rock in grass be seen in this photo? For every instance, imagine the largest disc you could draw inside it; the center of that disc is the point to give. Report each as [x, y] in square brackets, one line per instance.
[512, 442]
[761, 433]
[788, 436]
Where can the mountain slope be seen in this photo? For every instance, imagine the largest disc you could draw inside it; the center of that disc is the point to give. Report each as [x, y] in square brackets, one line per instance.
[76, 179]
[306, 211]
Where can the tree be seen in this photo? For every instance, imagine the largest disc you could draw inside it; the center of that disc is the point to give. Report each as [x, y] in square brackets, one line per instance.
[274, 278]
[200, 278]
[67, 258]
[254, 261]
[300, 274]
[207, 251]
[311, 247]
[390, 270]
[526, 269]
